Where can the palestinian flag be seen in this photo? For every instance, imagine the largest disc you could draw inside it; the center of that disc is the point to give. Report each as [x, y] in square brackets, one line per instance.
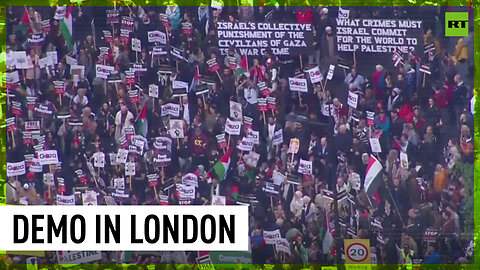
[66, 27]
[142, 123]
[24, 26]
[373, 179]
[221, 167]
[195, 80]
[242, 66]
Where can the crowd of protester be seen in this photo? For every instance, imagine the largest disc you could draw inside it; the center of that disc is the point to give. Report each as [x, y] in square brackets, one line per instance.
[431, 122]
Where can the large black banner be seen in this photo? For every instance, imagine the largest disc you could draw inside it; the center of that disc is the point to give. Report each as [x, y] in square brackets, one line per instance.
[378, 35]
[253, 39]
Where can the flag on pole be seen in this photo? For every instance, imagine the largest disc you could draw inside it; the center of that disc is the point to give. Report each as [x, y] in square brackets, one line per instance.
[242, 66]
[327, 241]
[373, 178]
[24, 26]
[195, 80]
[142, 121]
[221, 167]
[66, 28]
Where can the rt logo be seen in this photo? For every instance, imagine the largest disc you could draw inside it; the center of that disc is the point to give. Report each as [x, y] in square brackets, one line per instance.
[456, 24]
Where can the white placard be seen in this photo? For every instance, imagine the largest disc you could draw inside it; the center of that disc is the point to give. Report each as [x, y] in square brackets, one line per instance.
[190, 179]
[153, 90]
[271, 237]
[298, 84]
[122, 156]
[254, 135]
[352, 99]
[157, 36]
[21, 60]
[235, 110]
[89, 198]
[233, 127]
[331, 69]
[103, 71]
[171, 109]
[70, 60]
[343, 13]
[186, 192]
[130, 169]
[136, 45]
[277, 137]
[48, 157]
[375, 145]
[99, 160]
[305, 167]
[179, 85]
[246, 144]
[65, 200]
[53, 57]
[403, 160]
[219, 200]
[119, 183]
[78, 257]
[16, 168]
[282, 245]
[315, 75]
[176, 128]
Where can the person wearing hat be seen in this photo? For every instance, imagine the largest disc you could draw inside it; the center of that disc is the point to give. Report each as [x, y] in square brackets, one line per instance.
[393, 100]
[379, 84]
[328, 46]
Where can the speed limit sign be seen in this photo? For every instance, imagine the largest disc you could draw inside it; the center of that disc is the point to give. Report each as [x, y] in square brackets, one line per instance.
[357, 251]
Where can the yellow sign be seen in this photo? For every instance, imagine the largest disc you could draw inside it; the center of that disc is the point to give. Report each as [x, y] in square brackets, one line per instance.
[357, 251]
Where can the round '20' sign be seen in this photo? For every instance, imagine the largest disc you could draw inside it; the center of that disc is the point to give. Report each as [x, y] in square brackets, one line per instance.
[357, 252]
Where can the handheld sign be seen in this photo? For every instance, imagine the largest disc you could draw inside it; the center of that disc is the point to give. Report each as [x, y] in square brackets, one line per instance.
[190, 179]
[298, 84]
[343, 13]
[330, 72]
[171, 109]
[315, 75]
[176, 128]
[153, 90]
[277, 137]
[107, 35]
[221, 142]
[262, 104]
[113, 16]
[232, 127]
[213, 65]
[246, 144]
[130, 169]
[127, 23]
[157, 36]
[187, 29]
[305, 167]
[16, 168]
[352, 99]
[99, 160]
[375, 145]
[136, 45]
[235, 110]
[357, 251]
[294, 146]
[48, 157]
